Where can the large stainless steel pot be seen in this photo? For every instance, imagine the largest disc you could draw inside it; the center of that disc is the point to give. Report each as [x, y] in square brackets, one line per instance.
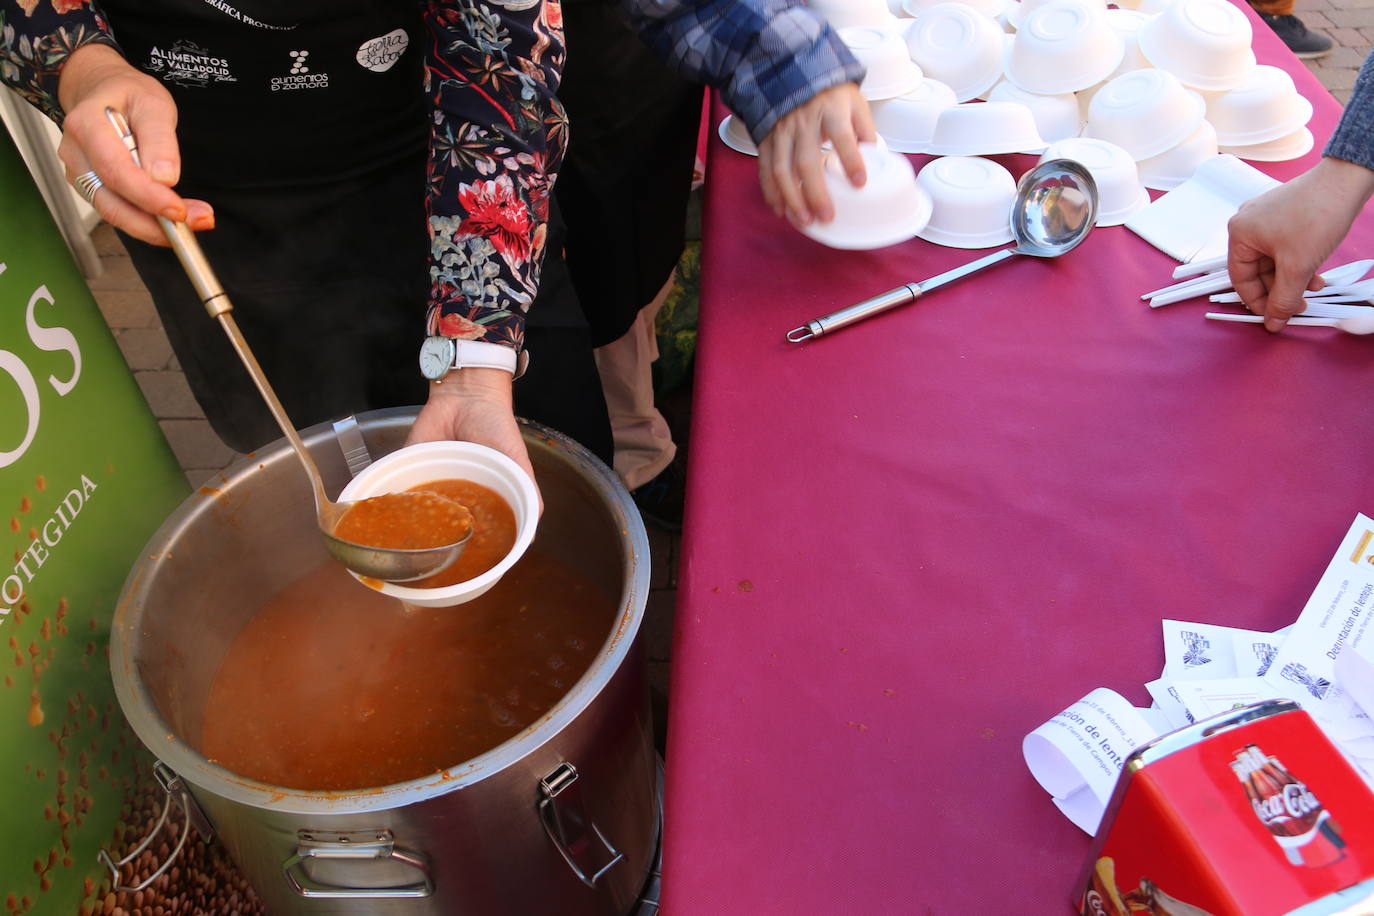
[559, 819]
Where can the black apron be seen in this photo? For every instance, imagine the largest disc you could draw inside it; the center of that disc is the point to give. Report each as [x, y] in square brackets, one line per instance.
[626, 179]
[304, 124]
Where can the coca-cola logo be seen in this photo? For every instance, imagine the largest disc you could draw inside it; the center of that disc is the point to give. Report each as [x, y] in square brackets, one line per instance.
[1296, 800]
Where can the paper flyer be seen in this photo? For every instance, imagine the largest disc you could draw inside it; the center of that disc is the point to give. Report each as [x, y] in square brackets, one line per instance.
[1167, 698]
[1197, 651]
[1324, 661]
[1077, 756]
[1213, 697]
[1335, 619]
[1255, 651]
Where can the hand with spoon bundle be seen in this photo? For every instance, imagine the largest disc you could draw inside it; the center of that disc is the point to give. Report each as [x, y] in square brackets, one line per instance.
[1279, 239]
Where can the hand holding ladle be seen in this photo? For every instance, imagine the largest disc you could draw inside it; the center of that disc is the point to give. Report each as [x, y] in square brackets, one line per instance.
[386, 564]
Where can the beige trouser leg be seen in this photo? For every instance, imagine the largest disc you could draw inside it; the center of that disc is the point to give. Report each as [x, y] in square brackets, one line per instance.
[643, 444]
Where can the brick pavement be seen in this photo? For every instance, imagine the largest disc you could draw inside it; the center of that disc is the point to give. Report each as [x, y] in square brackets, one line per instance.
[1350, 23]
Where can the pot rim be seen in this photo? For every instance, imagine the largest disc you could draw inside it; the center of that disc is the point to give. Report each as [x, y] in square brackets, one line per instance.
[158, 736]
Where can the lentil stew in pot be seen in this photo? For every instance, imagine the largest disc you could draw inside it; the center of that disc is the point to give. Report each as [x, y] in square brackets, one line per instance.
[331, 686]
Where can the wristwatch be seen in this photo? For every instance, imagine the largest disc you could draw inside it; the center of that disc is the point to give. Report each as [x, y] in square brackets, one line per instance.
[439, 355]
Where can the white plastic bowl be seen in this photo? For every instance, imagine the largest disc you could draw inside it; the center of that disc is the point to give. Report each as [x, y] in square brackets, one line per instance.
[1299, 143]
[1056, 116]
[993, 9]
[1265, 107]
[735, 135]
[1176, 165]
[1063, 46]
[1205, 43]
[908, 121]
[890, 208]
[958, 46]
[428, 461]
[1127, 23]
[846, 14]
[1145, 112]
[1017, 13]
[1119, 191]
[972, 200]
[985, 129]
[889, 70]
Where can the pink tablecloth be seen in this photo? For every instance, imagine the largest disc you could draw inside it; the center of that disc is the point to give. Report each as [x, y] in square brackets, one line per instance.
[911, 543]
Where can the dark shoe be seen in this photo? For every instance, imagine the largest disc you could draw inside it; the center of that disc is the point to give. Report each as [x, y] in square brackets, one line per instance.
[660, 500]
[1300, 40]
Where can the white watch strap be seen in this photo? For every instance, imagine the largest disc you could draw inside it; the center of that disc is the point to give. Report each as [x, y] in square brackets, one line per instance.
[478, 354]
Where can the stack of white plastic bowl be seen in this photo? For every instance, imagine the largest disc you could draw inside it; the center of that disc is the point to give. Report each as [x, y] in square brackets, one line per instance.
[971, 202]
[1120, 192]
[985, 129]
[1263, 118]
[891, 206]
[889, 71]
[958, 46]
[908, 121]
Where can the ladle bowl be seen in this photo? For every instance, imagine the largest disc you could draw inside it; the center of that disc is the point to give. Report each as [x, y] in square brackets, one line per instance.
[383, 563]
[1055, 209]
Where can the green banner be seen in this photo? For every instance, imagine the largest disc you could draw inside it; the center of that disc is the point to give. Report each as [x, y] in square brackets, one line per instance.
[85, 478]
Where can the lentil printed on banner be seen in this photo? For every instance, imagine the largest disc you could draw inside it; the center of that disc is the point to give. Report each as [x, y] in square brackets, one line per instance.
[85, 479]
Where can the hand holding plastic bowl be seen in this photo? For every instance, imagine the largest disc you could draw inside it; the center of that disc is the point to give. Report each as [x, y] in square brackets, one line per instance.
[422, 463]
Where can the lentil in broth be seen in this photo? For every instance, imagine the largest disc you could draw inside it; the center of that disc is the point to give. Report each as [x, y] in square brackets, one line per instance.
[334, 686]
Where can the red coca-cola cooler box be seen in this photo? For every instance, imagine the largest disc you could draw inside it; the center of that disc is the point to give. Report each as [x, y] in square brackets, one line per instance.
[1250, 813]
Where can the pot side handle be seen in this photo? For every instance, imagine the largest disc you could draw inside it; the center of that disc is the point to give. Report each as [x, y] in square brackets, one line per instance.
[361, 845]
[175, 792]
[567, 824]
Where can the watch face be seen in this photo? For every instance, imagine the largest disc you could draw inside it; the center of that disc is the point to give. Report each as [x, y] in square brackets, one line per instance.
[436, 357]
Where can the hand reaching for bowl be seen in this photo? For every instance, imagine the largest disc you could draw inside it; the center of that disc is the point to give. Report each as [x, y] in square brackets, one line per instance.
[93, 79]
[791, 159]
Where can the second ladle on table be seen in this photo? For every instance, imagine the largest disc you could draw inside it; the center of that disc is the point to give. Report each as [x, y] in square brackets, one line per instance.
[1055, 207]
[384, 563]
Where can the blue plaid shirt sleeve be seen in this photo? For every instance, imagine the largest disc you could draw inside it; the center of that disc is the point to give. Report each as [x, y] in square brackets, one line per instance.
[766, 57]
[1353, 139]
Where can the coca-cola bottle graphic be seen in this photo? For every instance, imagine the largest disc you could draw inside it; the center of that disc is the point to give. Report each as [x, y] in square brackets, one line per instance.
[1295, 817]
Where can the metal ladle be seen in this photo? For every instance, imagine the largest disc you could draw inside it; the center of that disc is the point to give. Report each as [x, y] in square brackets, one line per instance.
[1055, 207]
[384, 563]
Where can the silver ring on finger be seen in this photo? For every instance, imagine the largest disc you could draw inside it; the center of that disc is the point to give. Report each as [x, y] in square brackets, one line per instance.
[87, 183]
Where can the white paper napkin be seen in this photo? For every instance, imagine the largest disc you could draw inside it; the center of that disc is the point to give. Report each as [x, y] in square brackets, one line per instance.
[1189, 222]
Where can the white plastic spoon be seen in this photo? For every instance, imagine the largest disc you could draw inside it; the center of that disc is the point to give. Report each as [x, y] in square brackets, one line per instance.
[1193, 268]
[1361, 324]
[1186, 284]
